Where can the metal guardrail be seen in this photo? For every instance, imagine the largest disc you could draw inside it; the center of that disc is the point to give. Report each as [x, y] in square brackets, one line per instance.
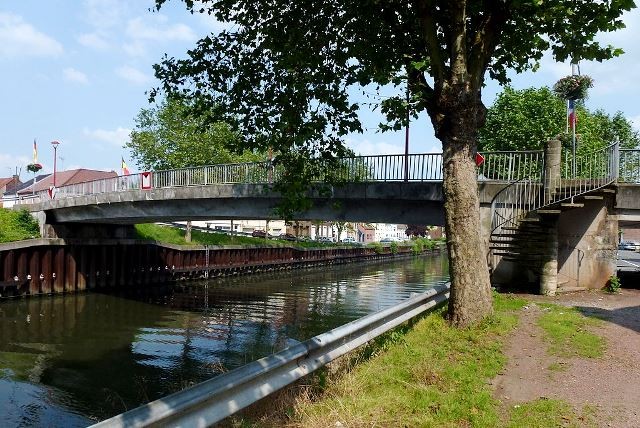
[213, 400]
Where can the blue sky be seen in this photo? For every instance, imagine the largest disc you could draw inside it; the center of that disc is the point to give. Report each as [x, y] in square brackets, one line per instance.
[77, 72]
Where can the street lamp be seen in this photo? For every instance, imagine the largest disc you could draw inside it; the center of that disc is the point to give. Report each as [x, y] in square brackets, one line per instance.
[55, 157]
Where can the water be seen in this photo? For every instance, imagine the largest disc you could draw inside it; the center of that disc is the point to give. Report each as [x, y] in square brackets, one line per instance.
[76, 359]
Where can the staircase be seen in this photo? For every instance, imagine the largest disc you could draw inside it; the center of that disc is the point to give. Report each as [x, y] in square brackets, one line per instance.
[524, 213]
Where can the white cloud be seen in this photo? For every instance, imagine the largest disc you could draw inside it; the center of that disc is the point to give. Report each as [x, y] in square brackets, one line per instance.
[18, 39]
[366, 147]
[93, 41]
[117, 137]
[135, 48]
[133, 75]
[104, 14]
[8, 164]
[73, 75]
[155, 28]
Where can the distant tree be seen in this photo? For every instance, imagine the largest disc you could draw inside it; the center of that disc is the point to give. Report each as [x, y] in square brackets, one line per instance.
[416, 230]
[525, 119]
[170, 136]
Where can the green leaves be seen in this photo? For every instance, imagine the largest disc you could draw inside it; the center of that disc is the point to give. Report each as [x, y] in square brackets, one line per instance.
[525, 119]
[171, 136]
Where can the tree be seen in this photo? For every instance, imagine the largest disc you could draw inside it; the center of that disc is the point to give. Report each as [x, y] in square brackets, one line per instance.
[416, 230]
[525, 119]
[170, 136]
[282, 72]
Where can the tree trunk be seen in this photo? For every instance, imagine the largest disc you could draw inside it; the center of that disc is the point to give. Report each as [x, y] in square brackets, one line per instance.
[187, 233]
[471, 298]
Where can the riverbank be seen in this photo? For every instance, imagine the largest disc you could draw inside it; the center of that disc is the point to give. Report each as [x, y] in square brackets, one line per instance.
[538, 362]
[52, 266]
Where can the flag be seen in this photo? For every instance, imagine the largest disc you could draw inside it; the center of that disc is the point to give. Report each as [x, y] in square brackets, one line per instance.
[125, 169]
[35, 152]
[572, 119]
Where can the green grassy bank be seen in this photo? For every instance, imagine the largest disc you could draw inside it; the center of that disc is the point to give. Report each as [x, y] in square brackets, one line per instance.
[432, 375]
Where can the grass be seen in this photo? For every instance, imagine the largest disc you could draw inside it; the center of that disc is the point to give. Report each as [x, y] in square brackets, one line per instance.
[429, 374]
[543, 413]
[433, 375]
[175, 235]
[17, 226]
[566, 331]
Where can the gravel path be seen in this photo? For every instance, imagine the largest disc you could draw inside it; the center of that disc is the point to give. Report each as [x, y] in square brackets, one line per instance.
[610, 384]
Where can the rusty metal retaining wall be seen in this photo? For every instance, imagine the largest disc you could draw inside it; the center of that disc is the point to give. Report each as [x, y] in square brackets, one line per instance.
[49, 267]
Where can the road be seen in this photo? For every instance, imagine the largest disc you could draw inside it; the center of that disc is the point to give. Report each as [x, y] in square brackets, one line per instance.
[628, 261]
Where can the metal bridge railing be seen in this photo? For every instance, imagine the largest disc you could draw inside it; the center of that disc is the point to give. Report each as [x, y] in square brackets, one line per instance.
[629, 166]
[213, 400]
[511, 166]
[375, 168]
[498, 166]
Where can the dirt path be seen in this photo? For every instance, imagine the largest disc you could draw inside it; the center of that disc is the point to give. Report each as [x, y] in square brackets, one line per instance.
[610, 384]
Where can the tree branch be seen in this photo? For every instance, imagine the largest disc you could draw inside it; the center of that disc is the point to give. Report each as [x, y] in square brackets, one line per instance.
[485, 41]
[426, 11]
[458, 42]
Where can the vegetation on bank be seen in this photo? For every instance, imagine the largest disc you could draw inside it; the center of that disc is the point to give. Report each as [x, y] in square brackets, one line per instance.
[175, 235]
[431, 374]
[17, 226]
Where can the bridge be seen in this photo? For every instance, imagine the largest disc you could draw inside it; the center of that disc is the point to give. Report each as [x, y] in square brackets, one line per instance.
[541, 210]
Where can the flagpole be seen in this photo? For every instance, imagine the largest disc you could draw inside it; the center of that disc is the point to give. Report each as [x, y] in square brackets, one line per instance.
[572, 120]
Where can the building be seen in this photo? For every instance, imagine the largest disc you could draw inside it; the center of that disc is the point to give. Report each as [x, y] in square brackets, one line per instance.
[389, 231]
[273, 227]
[365, 233]
[11, 196]
[9, 185]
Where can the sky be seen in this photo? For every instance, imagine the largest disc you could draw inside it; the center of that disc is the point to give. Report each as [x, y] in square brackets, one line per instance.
[78, 71]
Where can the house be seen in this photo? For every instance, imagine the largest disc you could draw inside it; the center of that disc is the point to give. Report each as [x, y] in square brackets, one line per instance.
[11, 196]
[365, 233]
[9, 185]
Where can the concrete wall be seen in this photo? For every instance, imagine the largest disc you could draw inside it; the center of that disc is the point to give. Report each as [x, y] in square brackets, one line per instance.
[587, 245]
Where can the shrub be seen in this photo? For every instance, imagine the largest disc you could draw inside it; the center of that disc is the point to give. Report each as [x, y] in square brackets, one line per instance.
[377, 247]
[613, 285]
[394, 247]
[17, 225]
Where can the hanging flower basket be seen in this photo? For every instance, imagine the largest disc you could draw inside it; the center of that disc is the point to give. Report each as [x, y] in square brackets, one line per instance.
[34, 167]
[573, 87]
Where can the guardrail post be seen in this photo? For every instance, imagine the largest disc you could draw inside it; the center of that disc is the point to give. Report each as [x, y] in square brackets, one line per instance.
[552, 161]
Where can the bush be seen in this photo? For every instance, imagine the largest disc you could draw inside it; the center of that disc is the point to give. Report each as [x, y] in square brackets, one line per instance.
[613, 285]
[377, 247]
[17, 226]
[394, 248]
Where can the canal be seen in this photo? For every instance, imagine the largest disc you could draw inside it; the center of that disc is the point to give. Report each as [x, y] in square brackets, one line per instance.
[76, 359]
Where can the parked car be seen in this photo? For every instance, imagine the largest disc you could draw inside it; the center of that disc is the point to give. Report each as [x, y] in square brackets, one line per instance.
[287, 237]
[325, 239]
[259, 233]
[386, 241]
[349, 240]
[629, 246]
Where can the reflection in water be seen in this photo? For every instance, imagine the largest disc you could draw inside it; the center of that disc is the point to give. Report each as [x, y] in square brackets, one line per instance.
[70, 360]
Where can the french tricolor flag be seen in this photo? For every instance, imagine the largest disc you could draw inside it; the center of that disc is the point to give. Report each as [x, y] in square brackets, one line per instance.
[572, 119]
